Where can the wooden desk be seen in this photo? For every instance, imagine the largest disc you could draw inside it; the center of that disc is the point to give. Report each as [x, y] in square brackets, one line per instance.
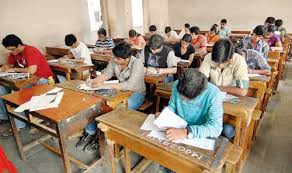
[72, 115]
[18, 84]
[101, 57]
[113, 102]
[123, 127]
[57, 51]
[72, 68]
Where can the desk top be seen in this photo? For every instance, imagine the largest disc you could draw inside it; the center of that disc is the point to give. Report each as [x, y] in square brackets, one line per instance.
[154, 79]
[72, 102]
[129, 122]
[101, 57]
[17, 84]
[76, 67]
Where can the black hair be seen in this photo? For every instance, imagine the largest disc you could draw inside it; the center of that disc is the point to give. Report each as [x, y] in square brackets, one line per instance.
[132, 33]
[223, 51]
[195, 30]
[122, 50]
[279, 22]
[215, 25]
[156, 41]
[167, 29]
[271, 28]
[214, 28]
[152, 28]
[70, 39]
[192, 83]
[187, 25]
[101, 31]
[270, 20]
[187, 38]
[11, 41]
[223, 21]
[259, 30]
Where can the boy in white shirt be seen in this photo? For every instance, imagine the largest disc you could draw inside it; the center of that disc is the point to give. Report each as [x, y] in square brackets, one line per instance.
[170, 35]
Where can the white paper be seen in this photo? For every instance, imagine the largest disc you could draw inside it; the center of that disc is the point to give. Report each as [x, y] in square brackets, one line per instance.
[53, 104]
[148, 123]
[88, 88]
[276, 48]
[4, 74]
[98, 73]
[53, 61]
[167, 118]
[55, 90]
[255, 75]
[111, 81]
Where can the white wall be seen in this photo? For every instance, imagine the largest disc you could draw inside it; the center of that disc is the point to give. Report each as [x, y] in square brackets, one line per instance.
[241, 15]
[42, 22]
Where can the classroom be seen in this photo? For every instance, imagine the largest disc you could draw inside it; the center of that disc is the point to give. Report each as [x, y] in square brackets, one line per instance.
[145, 86]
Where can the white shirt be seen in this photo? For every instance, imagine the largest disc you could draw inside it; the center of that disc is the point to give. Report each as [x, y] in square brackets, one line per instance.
[173, 37]
[82, 51]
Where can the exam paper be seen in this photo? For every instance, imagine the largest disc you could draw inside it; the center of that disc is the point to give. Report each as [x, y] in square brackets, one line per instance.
[167, 118]
[149, 125]
[88, 88]
[53, 61]
[255, 75]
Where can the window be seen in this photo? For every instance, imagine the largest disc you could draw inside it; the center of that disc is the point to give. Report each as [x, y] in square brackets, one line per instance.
[137, 15]
[94, 12]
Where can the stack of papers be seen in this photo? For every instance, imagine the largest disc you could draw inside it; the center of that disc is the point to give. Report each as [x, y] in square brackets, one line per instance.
[168, 119]
[50, 99]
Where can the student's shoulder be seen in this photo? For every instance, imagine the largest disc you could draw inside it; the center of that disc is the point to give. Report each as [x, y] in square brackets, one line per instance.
[212, 90]
[31, 49]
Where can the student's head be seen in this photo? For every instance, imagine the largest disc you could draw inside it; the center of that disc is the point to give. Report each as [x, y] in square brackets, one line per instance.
[258, 33]
[152, 29]
[270, 31]
[122, 52]
[101, 34]
[270, 21]
[167, 30]
[186, 40]
[133, 34]
[155, 43]
[223, 23]
[71, 41]
[187, 26]
[191, 84]
[195, 30]
[223, 51]
[242, 52]
[13, 43]
[213, 30]
[278, 23]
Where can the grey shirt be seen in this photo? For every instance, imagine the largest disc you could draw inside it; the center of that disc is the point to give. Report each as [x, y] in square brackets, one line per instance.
[131, 78]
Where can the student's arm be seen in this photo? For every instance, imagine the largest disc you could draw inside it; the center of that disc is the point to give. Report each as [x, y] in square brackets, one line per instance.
[278, 43]
[191, 58]
[234, 90]
[171, 64]
[106, 75]
[214, 123]
[261, 72]
[6, 67]
[264, 68]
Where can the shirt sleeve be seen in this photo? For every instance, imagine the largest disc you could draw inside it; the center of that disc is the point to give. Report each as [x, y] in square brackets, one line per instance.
[109, 71]
[265, 49]
[171, 60]
[136, 77]
[205, 66]
[11, 59]
[262, 63]
[110, 43]
[241, 73]
[203, 42]
[172, 102]
[214, 122]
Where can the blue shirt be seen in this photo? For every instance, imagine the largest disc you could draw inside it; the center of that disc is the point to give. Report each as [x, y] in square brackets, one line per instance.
[204, 114]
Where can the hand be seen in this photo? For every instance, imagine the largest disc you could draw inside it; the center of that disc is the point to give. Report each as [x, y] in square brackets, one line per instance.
[151, 70]
[174, 134]
[93, 83]
[63, 60]
[10, 70]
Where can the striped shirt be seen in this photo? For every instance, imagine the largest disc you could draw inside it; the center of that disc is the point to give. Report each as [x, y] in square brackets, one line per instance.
[204, 114]
[106, 44]
[255, 60]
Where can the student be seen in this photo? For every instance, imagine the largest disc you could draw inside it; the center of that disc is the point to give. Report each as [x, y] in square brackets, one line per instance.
[23, 59]
[212, 36]
[273, 39]
[136, 40]
[185, 30]
[104, 43]
[269, 21]
[130, 73]
[184, 49]
[224, 31]
[227, 70]
[198, 41]
[256, 63]
[152, 30]
[280, 30]
[159, 58]
[256, 42]
[170, 35]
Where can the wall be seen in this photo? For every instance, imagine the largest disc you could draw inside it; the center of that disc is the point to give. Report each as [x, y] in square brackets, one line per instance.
[241, 15]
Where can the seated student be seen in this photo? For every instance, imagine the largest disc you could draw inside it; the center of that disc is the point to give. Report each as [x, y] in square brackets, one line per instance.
[130, 73]
[224, 31]
[273, 39]
[185, 30]
[227, 70]
[159, 58]
[269, 21]
[212, 36]
[136, 40]
[104, 43]
[184, 49]
[256, 63]
[170, 35]
[256, 42]
[152, 30]
[24, 59]
[280, 30]
[198, 41]
[79, 52]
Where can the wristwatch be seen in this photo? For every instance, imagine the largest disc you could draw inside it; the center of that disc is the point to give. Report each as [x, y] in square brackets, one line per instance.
[190, 133]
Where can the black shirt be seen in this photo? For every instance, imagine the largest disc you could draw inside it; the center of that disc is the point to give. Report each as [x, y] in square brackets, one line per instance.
[185, 56]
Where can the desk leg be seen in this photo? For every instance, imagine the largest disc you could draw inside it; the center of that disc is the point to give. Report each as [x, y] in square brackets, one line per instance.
[61, 131]
[111, 150]
[127, 160]
[157, 103]
[230, 168]
[16, 136]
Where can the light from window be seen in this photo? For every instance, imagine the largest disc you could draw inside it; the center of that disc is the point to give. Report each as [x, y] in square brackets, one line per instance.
[94, 12]
[137, 15]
